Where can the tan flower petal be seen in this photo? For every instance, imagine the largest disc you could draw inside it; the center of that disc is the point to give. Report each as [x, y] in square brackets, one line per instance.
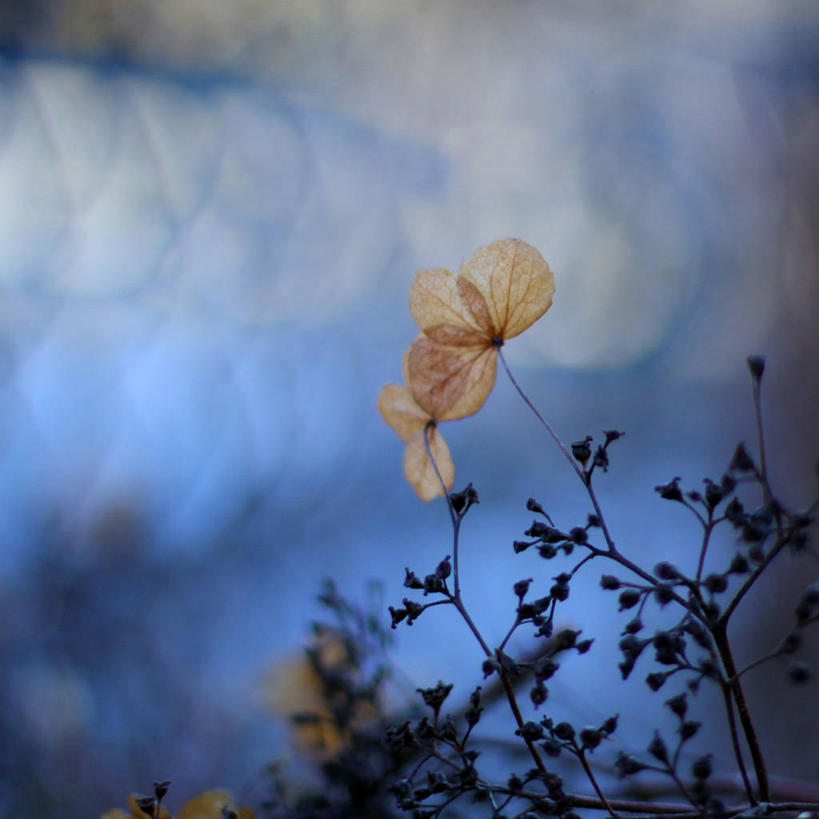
[437, 307]
[405, 364]
[477, 306]
[450, 382]
[419, 470]
[207, 805]
[399, 409]
[515, 281]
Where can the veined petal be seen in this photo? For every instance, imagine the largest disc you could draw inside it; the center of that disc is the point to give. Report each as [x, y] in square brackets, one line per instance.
[437, 307]
[419, 470]
[477, 306]
[514, 280]
[400, 410]
[450, 382]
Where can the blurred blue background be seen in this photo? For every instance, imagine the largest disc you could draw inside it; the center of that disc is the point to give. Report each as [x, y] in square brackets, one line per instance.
[210, 215]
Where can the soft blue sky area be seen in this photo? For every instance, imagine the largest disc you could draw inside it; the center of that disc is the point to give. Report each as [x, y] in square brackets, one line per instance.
[205, 278]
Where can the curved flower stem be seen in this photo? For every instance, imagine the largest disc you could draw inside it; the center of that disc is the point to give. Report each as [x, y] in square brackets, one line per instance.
[706, 537]
[751, 579]
[680, 786]
[509, 633]
[584, 476]
[546, 425]
[613, 552]
[760, 434]
[452, 513]
[771, 655]
[591, 777]
[732, 727]
[459, 605]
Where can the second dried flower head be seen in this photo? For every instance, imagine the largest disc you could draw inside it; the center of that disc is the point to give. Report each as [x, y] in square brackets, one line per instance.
[451, 366]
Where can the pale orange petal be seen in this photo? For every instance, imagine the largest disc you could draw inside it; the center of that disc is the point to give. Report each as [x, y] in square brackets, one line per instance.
[514, 280]
[437, 307]
[450, 382]
[207, 805]
[399, 409]
[474, 301]
[419, 470]
[405, 362]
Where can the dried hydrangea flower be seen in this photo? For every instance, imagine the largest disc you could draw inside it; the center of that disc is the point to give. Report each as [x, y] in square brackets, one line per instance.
[499, 292]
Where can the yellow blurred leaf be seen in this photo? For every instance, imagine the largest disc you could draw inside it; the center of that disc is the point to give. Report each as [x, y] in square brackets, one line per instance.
[207, 805]
[297, 689]
[294, 687]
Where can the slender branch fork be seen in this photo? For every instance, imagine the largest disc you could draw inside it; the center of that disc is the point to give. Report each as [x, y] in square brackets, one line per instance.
[719, 631]
[601, 803]
[613, 552]
[734, 697]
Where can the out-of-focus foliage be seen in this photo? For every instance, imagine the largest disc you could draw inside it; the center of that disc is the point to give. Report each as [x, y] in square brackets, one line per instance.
[214, 804]
[336, 700]
[299, 691]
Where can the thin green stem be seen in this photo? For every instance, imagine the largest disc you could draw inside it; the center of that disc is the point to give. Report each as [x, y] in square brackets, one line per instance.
[546, 425]
[751, 579]
[680, 786]
[704, 548]
[458, 603]
[456, 529]
[613, 552]
[732, 727]
[452, 513]
[591, 777]
[584, 477]
[591, 803]
[509, 633]
[758, 662]
[738, 696]
[760, 434]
